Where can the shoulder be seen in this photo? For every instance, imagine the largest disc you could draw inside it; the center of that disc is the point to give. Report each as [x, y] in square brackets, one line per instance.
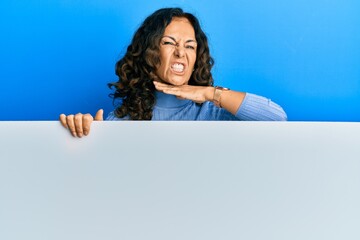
[113, 117]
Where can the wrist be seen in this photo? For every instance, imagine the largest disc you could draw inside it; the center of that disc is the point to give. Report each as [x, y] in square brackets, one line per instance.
[218, 91]
[209, 94]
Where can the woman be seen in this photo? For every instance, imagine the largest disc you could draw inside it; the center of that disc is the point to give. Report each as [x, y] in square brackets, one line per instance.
[166, 75]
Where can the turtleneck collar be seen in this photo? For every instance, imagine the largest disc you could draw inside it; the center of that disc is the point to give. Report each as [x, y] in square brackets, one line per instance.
[169, 101]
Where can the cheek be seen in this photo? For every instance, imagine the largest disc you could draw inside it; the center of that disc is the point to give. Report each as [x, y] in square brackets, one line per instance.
[161, 66]
[163, 62]
[165, 53]
[192, 60]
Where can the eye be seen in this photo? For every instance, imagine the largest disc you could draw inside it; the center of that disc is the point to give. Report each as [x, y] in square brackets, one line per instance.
[190, 47]
[168, 43]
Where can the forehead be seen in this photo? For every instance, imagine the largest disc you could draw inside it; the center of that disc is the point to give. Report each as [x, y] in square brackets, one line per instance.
[181, 28]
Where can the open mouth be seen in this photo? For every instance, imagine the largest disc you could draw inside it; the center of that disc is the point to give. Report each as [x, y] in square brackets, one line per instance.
[178, 67]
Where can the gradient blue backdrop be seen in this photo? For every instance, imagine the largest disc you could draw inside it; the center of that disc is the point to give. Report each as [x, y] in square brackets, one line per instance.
[57, 56]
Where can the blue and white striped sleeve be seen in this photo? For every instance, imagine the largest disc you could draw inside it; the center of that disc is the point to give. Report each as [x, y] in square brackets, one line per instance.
[258, 108]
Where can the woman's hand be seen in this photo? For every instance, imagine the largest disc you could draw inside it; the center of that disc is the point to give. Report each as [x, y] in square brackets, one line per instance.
[230, 100]
[79, 124]
[198, 94]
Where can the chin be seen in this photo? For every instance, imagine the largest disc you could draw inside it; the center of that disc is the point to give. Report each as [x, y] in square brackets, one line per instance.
[178, 82]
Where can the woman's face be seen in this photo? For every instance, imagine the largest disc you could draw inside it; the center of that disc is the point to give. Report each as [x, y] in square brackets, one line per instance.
[177, 52]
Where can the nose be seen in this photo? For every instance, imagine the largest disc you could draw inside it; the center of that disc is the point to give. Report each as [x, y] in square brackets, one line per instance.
[179, 51]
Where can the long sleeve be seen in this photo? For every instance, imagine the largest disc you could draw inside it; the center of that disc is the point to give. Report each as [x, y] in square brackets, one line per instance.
[258, 108]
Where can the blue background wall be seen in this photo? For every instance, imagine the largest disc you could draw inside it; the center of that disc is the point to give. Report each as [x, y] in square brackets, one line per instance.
[57, 56]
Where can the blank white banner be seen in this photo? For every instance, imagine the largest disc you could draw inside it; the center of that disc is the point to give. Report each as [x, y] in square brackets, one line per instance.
[180, 180]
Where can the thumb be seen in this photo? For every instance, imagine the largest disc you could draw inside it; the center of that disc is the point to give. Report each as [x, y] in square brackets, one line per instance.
[99, 115]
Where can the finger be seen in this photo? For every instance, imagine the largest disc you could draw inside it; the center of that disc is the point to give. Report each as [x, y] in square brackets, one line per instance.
[99, 116]
[79, 124]
[158, 86]
[63, 120]
[173, 91]
[71, 124]
[161, 86]
[87, 120]
[160, 83]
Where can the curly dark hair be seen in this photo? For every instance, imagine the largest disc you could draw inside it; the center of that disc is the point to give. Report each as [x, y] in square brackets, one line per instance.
[136, 70]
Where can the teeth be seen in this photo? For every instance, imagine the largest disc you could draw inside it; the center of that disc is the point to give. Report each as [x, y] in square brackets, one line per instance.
[177, 67]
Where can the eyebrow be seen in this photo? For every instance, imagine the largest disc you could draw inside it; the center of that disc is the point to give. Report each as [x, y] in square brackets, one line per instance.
[187, 41]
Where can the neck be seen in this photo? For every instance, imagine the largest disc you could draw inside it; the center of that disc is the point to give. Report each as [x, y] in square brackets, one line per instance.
[169, 101]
